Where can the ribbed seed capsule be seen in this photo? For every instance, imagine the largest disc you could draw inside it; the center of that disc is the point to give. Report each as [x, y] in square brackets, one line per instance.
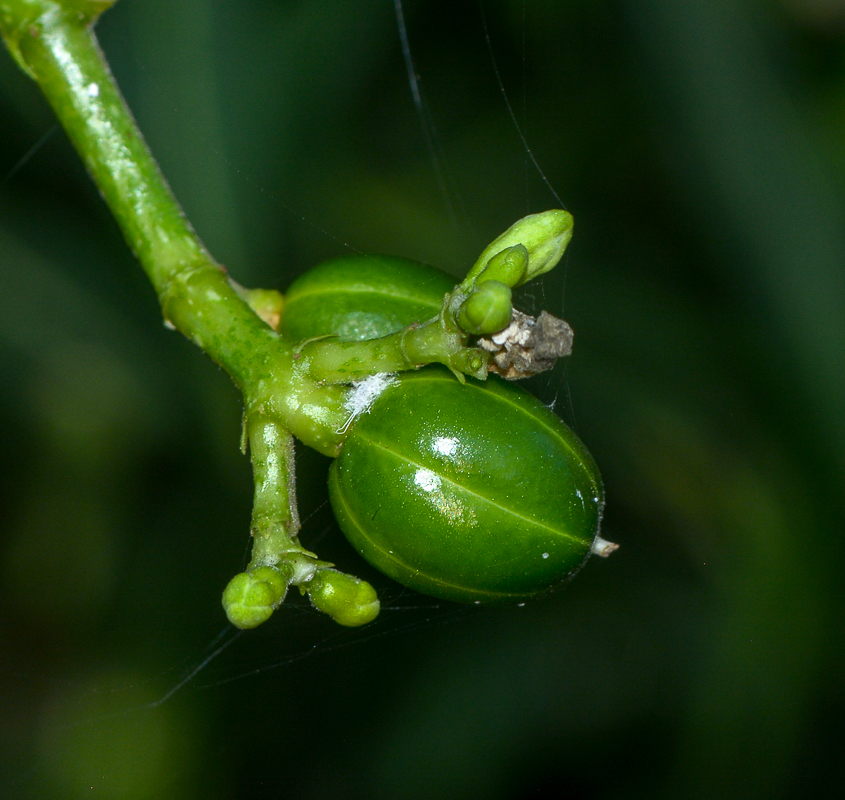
[467, 492]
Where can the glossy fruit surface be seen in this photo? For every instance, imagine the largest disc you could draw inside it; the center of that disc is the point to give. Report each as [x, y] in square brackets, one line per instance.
[362, 297]
[466, 492]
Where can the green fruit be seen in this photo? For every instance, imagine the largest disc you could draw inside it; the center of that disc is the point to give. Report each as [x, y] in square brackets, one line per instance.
[362, 297]
[468, 492]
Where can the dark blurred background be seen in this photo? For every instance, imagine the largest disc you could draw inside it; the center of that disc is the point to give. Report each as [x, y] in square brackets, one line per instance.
[699, 144]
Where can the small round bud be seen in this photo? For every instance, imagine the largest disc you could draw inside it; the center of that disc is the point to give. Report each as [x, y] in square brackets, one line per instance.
[508, 266]
[346, 599]
[488, 309]
[251, 597]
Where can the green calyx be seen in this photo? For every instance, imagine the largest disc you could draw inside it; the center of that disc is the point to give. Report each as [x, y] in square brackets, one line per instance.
[347, 600]
[508, 266]
[487, 310]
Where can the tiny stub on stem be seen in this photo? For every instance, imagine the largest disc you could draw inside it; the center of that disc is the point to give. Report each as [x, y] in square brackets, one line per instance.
[528, 345]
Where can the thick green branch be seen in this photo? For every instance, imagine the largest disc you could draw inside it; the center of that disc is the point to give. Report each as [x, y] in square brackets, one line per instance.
[53, 41]
[56, 45]
[62, 54]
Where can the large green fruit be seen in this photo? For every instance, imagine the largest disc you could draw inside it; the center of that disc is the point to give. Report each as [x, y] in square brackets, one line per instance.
[466, 492]
[362, 297]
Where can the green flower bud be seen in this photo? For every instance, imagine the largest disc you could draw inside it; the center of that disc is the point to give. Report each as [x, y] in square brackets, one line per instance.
[347, 600]
[251, 597]
[509, 266]
[488, 309]
[545, 237]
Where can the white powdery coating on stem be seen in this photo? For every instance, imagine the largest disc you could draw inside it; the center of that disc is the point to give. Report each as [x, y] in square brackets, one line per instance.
[364, 393]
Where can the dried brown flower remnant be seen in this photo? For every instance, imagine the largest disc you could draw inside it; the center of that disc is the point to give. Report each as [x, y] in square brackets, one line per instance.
[528, 345]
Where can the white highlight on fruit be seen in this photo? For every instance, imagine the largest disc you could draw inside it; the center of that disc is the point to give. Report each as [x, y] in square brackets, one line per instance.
[427, 480]
[444, 501]
[446, 445]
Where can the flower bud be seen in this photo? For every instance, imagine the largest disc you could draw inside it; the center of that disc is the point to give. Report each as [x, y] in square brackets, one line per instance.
[487, 310]
[545, 237]
[508, 266]
[347, 600]
[251, 597]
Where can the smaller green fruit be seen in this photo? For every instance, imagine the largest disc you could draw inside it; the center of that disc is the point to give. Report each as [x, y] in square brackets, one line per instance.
[362, 297]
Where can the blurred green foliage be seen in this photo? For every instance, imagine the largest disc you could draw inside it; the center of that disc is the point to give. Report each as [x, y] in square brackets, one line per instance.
[699, 146]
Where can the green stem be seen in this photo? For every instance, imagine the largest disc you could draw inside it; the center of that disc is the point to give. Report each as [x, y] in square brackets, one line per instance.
[70, 68]
[278, 559]
[413, 347]
[54, 42]
[440, 340]
[62, 53]
[275, 519]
